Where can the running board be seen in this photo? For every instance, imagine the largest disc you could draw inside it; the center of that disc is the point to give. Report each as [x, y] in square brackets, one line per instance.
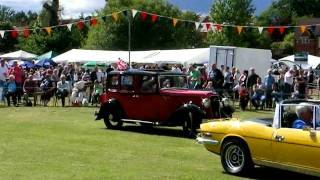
[138, 121]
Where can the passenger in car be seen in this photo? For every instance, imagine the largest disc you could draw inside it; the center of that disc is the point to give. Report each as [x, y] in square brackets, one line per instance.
[305, 116]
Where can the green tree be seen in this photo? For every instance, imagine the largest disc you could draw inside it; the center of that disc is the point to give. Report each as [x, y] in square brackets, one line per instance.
[7, 43]
[6, 13]
[234, 12]
[145, 34]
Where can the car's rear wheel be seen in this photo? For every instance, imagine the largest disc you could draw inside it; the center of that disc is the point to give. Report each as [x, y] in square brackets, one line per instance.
[235, 157]
[190, 125]
[112, 120]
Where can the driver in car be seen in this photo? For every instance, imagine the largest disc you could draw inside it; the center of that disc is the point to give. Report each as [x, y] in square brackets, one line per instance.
[305, 116]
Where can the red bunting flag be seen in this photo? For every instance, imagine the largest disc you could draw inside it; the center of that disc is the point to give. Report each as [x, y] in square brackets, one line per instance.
[143, 15]
[80, 25]
[218, 27]
[282, 29]
[154, 18]
[93, 22]
[14, 34]
[26, 32]
[208, 25]
[270, 30]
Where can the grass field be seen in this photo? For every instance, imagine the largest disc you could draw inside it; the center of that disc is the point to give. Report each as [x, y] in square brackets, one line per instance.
[65, 143]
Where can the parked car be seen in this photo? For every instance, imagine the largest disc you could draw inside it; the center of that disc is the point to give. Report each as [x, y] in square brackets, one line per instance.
[267, 142]
[156, 98]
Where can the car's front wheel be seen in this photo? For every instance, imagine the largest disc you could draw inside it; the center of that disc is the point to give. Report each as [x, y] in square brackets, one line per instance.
[112, 120]
[235, 157]
[190, 125]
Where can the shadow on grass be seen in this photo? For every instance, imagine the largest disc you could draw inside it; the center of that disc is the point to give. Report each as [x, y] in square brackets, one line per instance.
[153, 130]
[271, 173]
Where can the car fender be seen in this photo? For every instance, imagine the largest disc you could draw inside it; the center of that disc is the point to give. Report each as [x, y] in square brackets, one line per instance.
[183, 110]
[111, 104]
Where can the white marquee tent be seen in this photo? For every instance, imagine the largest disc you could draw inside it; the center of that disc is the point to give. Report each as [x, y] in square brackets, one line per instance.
[200, 55]
[19, 55]
[313, 61]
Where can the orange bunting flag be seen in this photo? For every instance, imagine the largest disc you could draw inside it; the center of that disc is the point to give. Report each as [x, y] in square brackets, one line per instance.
[174, 21]
[303, 29]
[270, 30]
[115, 17]
[239, 29]
[282, 29]
[26, 32]
[49, 30]
[154, 18]
[93, 22]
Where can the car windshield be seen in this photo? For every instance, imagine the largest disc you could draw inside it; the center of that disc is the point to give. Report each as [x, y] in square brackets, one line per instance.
[173, 81]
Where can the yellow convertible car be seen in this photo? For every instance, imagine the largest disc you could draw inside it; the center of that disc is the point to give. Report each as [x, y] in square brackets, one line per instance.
[289, 141]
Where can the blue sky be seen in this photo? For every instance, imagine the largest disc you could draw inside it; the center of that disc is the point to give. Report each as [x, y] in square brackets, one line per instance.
[203, 6]
[73, 8]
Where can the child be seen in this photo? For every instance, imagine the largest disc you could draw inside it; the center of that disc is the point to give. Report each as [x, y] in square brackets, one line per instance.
[11, 90]
[97, 91]
[244, 97]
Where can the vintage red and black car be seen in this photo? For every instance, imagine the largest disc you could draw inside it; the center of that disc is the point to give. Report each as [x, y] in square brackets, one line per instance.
[156, 98]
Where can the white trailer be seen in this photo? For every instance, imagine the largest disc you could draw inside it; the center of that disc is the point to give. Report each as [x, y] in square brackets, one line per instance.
[241, 58]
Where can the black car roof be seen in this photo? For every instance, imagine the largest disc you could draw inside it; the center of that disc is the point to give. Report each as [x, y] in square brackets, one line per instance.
[146, 72]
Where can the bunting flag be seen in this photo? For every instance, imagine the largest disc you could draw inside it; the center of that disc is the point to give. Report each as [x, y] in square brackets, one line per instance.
[104, 18]
[134, 12]
[154, 18]
[125, 13]
[121, 65]
[174, 22]
[115, 17]
[208, 26]
[197, 24]
[218, 27]
[2, 34]
[282, 30]
[303, 28]
[14, 34]
[144, 16]
[260, 29]
[239, 29]
[69, 26]
[26, 32]
[48, 30]
[80, 25]
[93, 22]
[270, 30]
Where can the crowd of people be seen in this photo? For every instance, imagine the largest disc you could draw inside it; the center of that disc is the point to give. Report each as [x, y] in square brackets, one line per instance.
[18, 84]
[84, 86]
[248, 86]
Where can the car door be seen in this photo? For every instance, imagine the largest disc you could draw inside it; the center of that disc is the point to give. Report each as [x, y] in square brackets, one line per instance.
[297, 148]
[147, 98]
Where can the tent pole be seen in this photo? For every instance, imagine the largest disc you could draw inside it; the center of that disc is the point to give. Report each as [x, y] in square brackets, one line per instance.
[129, 34]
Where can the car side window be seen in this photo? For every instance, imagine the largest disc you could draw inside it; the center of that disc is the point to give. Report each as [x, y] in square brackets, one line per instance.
[113, 83]
[317, 118]
[148, 84]
[127, 83]
[297, 116]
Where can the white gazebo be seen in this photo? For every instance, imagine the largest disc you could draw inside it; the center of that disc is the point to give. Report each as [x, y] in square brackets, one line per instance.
[19, 55]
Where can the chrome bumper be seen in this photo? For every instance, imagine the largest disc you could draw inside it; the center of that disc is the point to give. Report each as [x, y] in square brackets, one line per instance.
[206, 141]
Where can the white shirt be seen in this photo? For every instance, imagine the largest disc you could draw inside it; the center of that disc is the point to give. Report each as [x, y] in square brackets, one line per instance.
[100, 76]
[3, 73]
[288, 78]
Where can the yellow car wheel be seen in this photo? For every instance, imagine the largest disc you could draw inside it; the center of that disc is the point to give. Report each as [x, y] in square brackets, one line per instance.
[235, 157]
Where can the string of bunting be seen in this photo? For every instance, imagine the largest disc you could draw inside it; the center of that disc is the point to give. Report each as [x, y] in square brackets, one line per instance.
[201, 26]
